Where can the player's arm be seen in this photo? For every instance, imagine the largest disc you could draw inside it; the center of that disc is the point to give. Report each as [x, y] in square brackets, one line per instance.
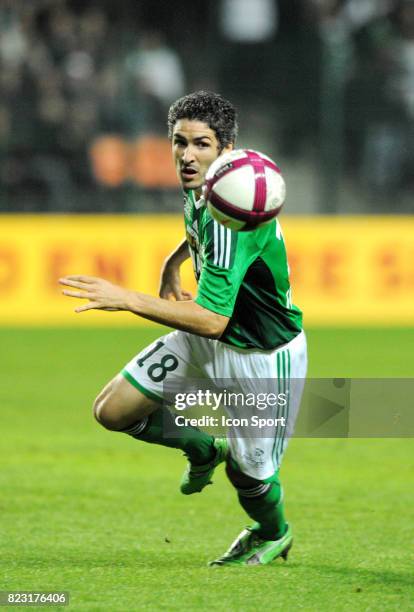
[184, 315]
[170, 282]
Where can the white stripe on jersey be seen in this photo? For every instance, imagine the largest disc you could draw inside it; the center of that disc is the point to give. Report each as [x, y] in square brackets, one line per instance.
[215, 243]
[228, 249]
[222, 245]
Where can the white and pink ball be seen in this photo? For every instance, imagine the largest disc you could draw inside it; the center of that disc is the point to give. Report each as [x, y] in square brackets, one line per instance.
[244, 189]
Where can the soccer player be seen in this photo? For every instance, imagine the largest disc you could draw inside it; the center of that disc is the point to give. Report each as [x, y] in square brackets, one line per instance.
[241, 326]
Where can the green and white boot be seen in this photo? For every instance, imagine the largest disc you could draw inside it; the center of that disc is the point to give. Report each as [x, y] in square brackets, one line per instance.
[250, 549]
[196, 477]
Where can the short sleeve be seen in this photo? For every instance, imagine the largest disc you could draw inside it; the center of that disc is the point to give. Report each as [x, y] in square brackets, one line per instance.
[224, 266]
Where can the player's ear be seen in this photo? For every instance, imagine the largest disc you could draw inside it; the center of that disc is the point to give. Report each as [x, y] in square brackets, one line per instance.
[227, 148]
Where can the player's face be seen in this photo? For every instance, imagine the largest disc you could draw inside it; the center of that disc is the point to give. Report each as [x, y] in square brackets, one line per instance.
[195, 146]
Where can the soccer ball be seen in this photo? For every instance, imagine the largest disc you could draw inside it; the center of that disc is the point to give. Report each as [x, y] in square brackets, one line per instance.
[244, 189]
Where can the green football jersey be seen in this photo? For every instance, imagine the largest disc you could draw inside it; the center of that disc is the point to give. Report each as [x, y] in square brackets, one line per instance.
[244, 276]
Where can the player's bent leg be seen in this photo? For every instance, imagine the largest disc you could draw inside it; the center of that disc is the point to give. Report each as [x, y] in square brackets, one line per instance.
[124, 408]
[169, 361]
[270, 536]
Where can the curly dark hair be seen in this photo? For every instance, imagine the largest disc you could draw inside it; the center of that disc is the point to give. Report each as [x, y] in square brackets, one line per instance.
[211, 108]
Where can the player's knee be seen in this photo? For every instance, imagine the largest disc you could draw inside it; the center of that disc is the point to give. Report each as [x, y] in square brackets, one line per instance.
[120, 405]
[238, 479]
[106, 414]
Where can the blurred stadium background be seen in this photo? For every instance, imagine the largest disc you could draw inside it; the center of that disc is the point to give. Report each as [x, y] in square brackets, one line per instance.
[326, 87]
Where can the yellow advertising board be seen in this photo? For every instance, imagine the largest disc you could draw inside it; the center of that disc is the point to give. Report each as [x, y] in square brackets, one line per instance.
[344, 270]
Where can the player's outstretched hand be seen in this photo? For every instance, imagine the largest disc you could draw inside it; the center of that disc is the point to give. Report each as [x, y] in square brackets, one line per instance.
[102, 294]
[170, 285]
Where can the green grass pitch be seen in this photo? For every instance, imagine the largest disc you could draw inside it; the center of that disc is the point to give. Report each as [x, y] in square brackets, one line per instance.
[99, 514]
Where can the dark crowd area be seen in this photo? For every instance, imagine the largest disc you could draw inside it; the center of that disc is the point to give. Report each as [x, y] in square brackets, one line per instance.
[324, 85]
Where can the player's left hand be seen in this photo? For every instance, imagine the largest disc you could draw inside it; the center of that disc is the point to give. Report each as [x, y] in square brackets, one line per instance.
[102, 294]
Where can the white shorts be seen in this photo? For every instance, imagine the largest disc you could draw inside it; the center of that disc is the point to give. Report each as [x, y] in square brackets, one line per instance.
[181, 357]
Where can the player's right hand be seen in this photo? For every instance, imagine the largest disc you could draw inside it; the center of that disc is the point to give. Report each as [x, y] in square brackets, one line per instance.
[170, 285]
